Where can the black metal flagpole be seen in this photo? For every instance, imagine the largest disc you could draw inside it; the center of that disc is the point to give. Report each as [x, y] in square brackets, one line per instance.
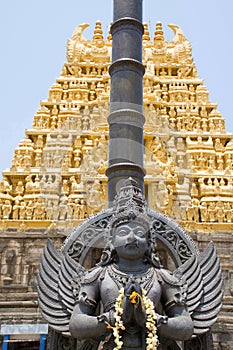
[126, 118]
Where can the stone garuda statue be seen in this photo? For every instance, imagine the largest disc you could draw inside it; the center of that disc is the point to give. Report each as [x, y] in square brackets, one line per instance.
[128, 300]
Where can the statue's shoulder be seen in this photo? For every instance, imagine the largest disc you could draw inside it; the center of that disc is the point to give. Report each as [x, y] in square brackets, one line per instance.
[167, 277]
[93, 275]
[173, 290]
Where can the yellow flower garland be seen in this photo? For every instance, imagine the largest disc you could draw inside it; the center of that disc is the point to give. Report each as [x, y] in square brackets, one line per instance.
[152, 341]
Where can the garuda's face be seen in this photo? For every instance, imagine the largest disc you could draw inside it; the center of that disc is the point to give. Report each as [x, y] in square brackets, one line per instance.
[130, 240]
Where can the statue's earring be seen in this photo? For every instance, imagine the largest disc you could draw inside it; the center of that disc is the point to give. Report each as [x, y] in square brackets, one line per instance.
[108, 255]
[105, 257]
[111, 246]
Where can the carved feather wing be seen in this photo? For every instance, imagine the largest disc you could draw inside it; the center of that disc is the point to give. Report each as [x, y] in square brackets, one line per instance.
[204, 288]
[77, 33]
[56, 284]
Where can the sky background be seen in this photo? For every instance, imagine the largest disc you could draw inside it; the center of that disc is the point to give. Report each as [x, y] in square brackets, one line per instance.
[33, 36]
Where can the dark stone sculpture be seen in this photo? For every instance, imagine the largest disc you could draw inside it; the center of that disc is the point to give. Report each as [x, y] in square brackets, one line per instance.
[129, 277]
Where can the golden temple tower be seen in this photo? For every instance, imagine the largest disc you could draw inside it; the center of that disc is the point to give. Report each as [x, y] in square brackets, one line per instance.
[57, 178]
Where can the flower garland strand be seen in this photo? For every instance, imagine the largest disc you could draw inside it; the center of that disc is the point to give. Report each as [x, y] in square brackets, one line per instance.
[118, 323]
[152, 341]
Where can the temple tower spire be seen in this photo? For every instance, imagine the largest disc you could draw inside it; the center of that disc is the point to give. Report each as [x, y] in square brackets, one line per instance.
[126, 118]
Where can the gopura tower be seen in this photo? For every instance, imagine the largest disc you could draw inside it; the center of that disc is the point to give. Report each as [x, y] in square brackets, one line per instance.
[126, 118]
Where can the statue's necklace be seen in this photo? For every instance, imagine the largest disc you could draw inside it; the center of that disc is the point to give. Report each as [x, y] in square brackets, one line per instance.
[144, 278]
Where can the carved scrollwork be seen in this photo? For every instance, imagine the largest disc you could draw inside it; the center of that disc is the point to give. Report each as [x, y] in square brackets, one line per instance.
[172, 238]
[183, 251]
[88, 234]
[76, 249]
[157, 225]
[102, 223]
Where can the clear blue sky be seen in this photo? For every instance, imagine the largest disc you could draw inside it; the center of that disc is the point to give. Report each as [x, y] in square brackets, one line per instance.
[33, 37]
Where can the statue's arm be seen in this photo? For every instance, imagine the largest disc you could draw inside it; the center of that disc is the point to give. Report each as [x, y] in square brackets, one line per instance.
[84, 323]
[177, 326]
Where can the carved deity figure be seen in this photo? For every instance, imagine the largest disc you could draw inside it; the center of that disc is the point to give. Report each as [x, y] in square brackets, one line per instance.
[10, 260]
[39, 209]
[160, 196]
[192, 210]
[16, 209]
[5, 187]
[6, 209]
[96, 196]
[128, 300]
[157, 150]
[22, 210]
[19, 190]
[29, 210]
[63, 208]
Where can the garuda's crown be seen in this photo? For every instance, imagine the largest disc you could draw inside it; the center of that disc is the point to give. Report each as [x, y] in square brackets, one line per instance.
[130, 205]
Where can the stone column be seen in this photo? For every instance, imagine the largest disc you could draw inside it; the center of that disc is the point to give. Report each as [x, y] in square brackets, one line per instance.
[126, 118]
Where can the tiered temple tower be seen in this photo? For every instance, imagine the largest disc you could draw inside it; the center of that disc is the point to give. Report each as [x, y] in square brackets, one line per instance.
[57, 177]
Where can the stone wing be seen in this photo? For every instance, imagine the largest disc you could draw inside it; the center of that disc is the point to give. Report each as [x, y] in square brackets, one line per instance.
[57, 286]
[203, 277]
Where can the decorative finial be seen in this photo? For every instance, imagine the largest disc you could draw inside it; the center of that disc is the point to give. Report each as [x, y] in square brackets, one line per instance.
[159, 32]
[146, 35]
[109, 33]
[98, 33]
